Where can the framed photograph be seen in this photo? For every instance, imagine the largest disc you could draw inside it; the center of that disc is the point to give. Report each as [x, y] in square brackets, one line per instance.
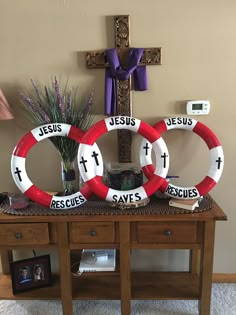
[31, 273]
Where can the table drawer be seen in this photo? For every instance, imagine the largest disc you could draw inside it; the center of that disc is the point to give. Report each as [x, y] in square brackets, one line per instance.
[92, 232]
[166, 232]
[23, 234]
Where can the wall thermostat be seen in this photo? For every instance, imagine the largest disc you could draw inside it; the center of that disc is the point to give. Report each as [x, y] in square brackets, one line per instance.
[198, 107]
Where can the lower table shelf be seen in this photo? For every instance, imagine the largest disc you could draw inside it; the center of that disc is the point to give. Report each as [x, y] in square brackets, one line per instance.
[165, 285]
[46, 293]
[106, 286]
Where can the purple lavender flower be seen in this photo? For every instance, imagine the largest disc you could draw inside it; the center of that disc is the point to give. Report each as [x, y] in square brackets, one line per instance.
[46, 118]
[52, 105]
[34, 108]
[88, 106]
[60, 100]
[35, 88]
[69, 105]
[47, 95]
[28, 101]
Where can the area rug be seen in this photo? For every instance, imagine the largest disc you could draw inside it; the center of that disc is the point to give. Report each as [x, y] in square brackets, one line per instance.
[223, 303]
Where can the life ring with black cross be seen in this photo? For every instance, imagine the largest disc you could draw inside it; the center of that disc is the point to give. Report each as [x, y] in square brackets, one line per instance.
[22, 180]
[216, 157]
[137, 126]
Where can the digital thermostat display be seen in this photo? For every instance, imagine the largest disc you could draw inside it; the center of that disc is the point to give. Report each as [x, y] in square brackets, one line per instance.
[198, 107]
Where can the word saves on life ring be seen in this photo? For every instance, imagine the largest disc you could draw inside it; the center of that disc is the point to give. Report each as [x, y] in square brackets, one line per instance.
[216, 157]
[85, 159]
[27, 187]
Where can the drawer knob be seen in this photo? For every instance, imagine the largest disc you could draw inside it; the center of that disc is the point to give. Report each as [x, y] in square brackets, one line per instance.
[167, 232]
[92, 233]
[18, 236]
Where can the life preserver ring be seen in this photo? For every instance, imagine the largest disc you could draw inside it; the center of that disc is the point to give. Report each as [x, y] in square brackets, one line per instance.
[24, 183]
[216, 157]
[86, 158]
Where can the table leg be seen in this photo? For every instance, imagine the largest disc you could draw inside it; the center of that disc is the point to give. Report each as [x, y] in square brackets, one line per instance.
[206, 268]
[194, 264]
[6, 257]
[125, 283]
[65, 267]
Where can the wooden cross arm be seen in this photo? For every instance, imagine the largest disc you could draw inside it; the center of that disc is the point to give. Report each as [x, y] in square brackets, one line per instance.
[97, 59]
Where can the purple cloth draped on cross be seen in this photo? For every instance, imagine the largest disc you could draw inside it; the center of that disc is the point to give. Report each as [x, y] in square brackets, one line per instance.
[115, 71]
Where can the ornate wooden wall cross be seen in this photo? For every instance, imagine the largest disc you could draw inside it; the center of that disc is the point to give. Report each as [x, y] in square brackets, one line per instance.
[97, 59]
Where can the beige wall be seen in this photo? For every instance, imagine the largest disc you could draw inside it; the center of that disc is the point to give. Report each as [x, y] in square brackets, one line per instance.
[40, 39]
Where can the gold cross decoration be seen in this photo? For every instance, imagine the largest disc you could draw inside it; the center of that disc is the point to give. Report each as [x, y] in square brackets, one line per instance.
[97, 59]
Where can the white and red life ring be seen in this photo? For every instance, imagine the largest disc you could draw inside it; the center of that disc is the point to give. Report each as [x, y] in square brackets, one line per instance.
[24, 183]
[216, 157]
[86, 159]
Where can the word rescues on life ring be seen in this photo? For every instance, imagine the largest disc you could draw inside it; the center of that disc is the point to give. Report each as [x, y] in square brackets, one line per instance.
[86, 156]
[216, 157]
[24, 183]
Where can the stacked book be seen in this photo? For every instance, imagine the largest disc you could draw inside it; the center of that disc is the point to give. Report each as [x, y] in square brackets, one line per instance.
[93, 260]
[188, 204]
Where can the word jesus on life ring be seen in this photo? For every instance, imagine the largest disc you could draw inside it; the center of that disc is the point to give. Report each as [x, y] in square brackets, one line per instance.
[24, 183]
[86, 159]
[216, 157]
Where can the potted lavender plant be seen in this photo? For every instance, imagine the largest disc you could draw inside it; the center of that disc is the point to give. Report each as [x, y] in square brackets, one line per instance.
[56, 104]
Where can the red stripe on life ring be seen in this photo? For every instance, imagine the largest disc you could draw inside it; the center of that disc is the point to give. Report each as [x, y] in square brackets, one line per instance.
[39, 196]
[75, 133]
[164, 186]
[24, 145]
[148, 171]
[86, 192]
[207, 135]
[95, 132]
[161, 126]
[94, 183]
[149, 187]
[205, 185]
[145, 129]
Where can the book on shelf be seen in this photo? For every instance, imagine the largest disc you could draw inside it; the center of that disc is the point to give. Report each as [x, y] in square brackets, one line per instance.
[93, 260]
[188, 204]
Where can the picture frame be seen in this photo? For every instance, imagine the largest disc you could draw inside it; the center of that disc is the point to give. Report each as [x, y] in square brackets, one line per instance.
[31, 273]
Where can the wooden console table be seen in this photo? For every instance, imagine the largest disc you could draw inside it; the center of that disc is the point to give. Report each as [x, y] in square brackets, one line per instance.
[69, 233]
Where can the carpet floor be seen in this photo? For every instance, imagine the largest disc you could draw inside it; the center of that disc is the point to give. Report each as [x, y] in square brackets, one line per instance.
[223, 303]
